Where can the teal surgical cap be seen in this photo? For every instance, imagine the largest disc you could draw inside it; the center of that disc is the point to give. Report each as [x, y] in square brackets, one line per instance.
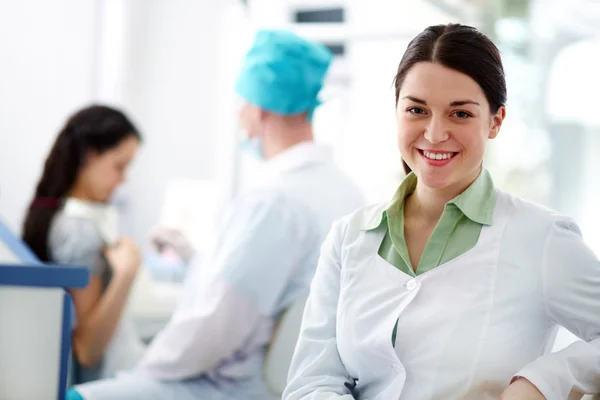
[283, 73]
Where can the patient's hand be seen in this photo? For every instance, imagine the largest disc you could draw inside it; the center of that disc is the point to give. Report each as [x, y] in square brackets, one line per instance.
[522, 389]
[124, 257]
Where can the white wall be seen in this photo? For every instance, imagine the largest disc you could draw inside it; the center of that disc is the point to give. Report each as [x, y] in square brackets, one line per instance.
[169, 88]
[46, 56]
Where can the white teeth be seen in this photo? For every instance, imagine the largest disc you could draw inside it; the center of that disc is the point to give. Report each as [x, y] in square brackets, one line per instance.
[437, 156]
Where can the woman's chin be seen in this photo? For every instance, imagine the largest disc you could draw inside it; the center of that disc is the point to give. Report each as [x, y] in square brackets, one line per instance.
[437, 180]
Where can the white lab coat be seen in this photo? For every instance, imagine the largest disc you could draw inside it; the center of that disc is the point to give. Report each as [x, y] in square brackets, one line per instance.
[263, 259]
[466, 328]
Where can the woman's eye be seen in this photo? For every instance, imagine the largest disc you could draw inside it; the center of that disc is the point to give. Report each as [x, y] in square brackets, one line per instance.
[462, 114]
[416, 110]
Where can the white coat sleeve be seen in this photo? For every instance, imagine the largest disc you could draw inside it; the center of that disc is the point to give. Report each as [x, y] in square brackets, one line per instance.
[239, 282]
[571, 284]
[317, 371]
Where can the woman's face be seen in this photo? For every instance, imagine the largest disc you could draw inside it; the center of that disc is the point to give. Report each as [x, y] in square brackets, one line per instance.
[103, 172]
[444, 122]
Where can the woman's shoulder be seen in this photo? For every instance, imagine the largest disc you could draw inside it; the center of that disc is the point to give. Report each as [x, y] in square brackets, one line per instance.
[362, 219]
[366, 215]
[73, 238]
[528, 211]
[530, 225]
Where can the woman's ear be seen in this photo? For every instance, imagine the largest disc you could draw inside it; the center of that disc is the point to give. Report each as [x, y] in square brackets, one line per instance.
[496, 123]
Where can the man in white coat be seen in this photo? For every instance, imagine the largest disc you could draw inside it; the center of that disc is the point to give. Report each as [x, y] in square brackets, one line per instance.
[266, 247]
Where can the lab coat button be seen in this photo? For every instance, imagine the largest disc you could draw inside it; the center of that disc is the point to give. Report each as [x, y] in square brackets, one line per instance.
[411, 285]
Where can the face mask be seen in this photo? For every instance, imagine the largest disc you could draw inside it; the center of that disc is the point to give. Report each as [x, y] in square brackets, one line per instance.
[104, 217]
[253, 146]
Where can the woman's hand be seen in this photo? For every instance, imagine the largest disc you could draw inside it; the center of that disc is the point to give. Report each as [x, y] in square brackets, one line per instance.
[522, 389]
[124, 257]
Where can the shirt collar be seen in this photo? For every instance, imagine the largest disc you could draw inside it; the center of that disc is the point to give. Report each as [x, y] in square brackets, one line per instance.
[103, 216]
[477, 202]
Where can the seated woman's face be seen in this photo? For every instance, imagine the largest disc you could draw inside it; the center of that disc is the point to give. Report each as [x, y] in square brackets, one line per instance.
[103, 172]
[444, 122]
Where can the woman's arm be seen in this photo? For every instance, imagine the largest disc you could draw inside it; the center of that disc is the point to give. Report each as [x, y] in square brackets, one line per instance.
[98, 314]
[98, 310]
[571, 284]
[317, 371]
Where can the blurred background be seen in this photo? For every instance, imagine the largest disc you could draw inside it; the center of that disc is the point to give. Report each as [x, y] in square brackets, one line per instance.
[171, 65]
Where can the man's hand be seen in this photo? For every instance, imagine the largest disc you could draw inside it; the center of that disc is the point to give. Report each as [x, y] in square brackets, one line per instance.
[522, 389]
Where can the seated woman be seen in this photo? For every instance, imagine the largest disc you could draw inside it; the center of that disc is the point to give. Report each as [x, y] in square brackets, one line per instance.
[454, 289]
[70, 221]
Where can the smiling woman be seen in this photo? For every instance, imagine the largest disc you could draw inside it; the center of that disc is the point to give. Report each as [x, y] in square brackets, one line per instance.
[444, 85]
[444, 113]
[454, 288]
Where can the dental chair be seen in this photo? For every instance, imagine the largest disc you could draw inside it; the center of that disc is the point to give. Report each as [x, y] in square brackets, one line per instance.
[35, 322]
[281, 350]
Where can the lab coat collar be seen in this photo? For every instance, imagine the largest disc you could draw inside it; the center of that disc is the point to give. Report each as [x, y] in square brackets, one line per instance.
[375, 216]
[298, 156]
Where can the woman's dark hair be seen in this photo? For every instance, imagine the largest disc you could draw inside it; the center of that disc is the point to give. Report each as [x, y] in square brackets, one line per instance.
[96, 128]
[463, 49]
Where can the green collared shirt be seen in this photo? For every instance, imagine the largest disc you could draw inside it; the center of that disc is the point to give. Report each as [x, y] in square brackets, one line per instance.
[456, 232]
